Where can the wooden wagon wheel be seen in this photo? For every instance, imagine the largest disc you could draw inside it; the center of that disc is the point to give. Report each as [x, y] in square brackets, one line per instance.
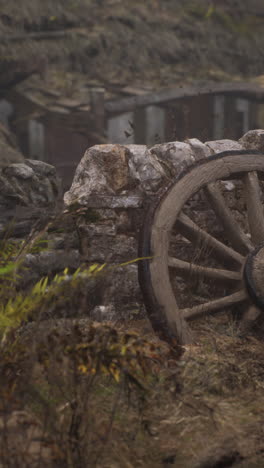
[235, 262]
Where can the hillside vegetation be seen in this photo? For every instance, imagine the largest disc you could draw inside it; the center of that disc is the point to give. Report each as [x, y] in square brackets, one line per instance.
[154, 42]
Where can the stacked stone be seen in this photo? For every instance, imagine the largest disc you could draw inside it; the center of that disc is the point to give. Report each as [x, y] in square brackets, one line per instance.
[111, 191]
[30, 197]
[114, 184]
[29, 183]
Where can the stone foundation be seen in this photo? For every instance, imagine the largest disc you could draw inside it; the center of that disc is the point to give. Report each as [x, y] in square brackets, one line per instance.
[113, 186]
[110, 194]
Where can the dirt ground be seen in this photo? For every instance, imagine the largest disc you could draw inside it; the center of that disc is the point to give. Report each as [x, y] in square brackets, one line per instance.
[206, 410]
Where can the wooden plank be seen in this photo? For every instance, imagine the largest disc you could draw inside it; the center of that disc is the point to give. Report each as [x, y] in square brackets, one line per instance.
[170, 94]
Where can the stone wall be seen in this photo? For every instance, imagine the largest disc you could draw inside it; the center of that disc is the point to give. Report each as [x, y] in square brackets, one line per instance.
[26, 188]
[105, 209]
[113, 185]
[30, 198]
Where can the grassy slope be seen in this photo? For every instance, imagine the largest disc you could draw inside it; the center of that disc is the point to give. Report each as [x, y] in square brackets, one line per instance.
[151, 42]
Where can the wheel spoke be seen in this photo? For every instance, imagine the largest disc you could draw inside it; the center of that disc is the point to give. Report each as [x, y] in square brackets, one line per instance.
[254, 207]
[215, 306]
[194, 233]
[187, 269]
[237, 237]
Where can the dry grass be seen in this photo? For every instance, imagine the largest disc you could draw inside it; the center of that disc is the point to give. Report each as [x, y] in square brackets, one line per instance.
[196, 411]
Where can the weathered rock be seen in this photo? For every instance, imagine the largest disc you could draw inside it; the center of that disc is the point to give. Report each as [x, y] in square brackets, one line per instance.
[20, 220]
[32, 183]
[227, 185]
[174, 156]
[145, 168]
[104, 313]
[102, 171]
[19, 170]
[63, 241]
[41, 168]
[218, 146]
[122, 298]
[101, 243]
[200, 150]
[51, 262]
[114, 176]
[125, 200]
[35, 266]
[18, 229]
[10, 195]
[254, 140]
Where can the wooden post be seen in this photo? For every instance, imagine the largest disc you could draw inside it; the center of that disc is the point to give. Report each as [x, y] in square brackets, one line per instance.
[98, 110]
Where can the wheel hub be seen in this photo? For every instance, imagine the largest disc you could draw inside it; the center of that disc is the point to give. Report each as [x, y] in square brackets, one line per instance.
[254, 275]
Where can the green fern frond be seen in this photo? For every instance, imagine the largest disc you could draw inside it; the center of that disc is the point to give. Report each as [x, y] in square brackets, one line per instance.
[5, 270]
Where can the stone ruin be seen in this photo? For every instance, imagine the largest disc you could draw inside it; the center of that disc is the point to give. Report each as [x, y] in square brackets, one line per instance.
[111, 190]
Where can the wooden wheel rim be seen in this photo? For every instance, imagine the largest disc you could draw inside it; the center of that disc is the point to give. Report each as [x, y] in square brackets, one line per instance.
[254, 275]
[154, 278]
